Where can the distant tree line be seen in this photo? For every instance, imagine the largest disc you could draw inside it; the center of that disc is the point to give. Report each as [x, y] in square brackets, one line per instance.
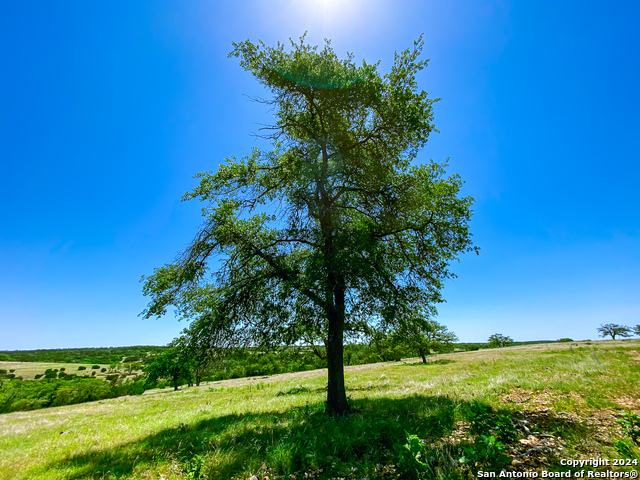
[110, 355]
[202, 353]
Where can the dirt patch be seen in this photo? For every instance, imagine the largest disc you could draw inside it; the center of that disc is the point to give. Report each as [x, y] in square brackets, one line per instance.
[628, 402]
[634, 355]
[538, 399]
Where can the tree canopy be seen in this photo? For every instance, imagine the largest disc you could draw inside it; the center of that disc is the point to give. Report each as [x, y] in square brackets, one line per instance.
[425, 336]
[336, 226]
[499, 340]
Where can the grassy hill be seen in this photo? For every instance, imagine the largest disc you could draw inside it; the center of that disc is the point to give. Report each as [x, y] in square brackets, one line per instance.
[521, 408]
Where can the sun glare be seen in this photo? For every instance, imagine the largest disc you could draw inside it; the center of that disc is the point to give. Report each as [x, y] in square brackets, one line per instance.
[324, 14]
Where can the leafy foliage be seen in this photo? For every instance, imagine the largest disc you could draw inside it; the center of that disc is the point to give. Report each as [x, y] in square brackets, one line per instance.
[630, 423]
[411, 459]
[485, 421]
[486, 452]
[493, 431]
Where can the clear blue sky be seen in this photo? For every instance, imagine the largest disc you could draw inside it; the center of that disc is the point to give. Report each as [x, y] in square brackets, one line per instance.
[107, 109]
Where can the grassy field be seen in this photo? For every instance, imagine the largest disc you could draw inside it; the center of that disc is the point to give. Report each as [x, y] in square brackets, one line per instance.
[530, 406]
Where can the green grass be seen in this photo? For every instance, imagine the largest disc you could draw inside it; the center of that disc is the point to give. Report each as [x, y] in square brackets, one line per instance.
[275, 426]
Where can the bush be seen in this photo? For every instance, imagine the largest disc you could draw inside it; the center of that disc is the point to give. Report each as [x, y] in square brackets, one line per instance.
[93, 374]
[38, 376]
[81, 391]
[27, 404]
[565, 340]
[82, 368]
[630, 423]
[95, 367]
[412, 462]
[103, 369]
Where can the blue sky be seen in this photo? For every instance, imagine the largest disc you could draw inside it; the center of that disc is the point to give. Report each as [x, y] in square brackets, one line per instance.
[107, 110]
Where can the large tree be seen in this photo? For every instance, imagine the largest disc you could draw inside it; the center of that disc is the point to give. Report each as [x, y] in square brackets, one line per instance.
[614, 330]
[334, 227]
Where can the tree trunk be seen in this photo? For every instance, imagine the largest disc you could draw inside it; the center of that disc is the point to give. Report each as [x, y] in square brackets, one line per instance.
[336, 393]
[424, 358]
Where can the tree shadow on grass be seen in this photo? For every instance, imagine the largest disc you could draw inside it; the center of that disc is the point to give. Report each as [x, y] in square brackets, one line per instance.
[298, 440]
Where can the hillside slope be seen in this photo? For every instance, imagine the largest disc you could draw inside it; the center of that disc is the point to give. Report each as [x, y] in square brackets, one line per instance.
[539, 404]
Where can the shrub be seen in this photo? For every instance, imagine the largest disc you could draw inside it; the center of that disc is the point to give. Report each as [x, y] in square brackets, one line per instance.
[486, 452]
[565, 340]
[412, 462]
[82, 368]
[93, 374]
[630, 423]
[485, 421]
[38, 376]
[27, 404]
[103, 369]
[12, 370]
[82, 391]
[62, 369]
[95, 367]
